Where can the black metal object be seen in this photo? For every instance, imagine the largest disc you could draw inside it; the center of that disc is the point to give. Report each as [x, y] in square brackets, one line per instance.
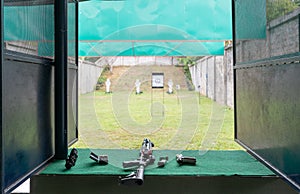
[2, 186]
[299, 31]
[76, 59]
[76, 31]
[234, 63]
[72, 158]
[61, 78]
[181, 160]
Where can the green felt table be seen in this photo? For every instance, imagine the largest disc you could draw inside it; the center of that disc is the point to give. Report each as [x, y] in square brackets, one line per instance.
[210, 163]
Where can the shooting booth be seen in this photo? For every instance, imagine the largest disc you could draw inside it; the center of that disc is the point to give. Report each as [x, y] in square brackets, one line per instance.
[43, 39]
[39, 86]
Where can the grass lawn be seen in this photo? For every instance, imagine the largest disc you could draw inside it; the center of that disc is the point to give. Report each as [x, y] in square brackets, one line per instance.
[177, 121]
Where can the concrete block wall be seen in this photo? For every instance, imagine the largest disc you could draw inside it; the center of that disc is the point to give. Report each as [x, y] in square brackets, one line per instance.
[282, 37]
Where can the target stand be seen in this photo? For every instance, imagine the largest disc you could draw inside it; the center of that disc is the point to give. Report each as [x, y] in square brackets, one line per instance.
[157, 85]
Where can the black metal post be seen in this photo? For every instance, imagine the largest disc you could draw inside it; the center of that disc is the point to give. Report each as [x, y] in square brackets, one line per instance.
[299, 32]
[77, 56]
[1, 71]
[234, 70]
[61, 78]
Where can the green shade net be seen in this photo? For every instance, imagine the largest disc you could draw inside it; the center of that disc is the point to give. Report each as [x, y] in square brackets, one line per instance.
[250, 19]
[29, 28]
[158, 19]
[124, 28]
[23, 27]
[151, 48]
[22, 24]
[128, 28]
[154, 28]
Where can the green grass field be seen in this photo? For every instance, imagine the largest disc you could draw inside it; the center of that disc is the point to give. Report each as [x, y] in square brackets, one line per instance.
[177, 121]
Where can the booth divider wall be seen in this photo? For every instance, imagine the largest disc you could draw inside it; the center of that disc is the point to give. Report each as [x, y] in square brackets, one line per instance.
[266, 75]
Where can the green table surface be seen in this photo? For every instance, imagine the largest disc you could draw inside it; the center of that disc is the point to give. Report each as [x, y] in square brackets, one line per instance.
[210, 163]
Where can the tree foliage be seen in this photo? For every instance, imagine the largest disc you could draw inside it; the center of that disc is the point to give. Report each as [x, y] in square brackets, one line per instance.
[277, 8]
[297, 2]
[187, 62]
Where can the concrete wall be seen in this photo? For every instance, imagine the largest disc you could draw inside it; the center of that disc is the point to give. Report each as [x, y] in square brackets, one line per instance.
[228, 77]
[212, 76]
[140, 60]
[220, 74]
[89, 72]
[88, 76]
[282, 38]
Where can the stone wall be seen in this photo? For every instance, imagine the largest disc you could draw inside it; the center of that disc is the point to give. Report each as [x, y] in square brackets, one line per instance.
[282, 37]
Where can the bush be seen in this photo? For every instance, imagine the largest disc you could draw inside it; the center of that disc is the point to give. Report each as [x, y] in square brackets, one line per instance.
[102, 79]
[187, 62]
[277, 8]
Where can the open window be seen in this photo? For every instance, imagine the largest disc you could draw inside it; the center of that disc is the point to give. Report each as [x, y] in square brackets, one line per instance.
[28, 65]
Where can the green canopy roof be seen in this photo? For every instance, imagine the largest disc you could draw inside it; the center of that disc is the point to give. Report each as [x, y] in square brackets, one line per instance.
[154, 28]
[150, 48]
[139, 27]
